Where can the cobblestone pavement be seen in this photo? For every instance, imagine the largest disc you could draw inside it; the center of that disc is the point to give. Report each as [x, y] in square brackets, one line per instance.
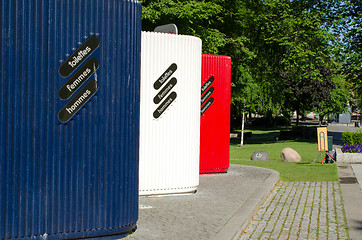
[300, 210]
[202, 216]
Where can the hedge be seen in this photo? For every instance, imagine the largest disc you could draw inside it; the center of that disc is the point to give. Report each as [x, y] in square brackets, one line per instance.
[352, 138]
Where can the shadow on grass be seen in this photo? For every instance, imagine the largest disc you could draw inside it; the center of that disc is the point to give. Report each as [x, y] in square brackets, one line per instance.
[316, 164]
[236, 141]
[264, 129]
[267, 136]
[267, 140]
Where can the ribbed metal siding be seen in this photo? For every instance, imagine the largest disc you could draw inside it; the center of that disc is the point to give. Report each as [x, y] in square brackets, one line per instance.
[169, 145]
[78, 179]
[215, 122]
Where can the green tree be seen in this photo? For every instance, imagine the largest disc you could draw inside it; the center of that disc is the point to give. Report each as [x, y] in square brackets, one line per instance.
[339, 98]
[197, 18]
[352, 11]
[304, 65]
[223, 27]
[281, 50]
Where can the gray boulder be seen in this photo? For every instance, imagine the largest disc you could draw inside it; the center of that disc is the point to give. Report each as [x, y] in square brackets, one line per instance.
[290, 155]
[260, 156]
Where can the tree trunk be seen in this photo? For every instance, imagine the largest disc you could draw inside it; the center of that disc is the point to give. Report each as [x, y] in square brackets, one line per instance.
[320, 119]
[297, 118]
[242, 127]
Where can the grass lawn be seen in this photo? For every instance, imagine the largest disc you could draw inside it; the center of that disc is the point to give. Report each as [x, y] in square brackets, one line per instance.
[263, 140]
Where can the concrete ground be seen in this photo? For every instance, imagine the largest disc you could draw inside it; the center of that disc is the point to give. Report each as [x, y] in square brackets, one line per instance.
[350, 177]
[221, 208]
[251, 203]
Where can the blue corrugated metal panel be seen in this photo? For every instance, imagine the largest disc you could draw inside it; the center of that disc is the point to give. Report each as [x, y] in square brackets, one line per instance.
[75, 176]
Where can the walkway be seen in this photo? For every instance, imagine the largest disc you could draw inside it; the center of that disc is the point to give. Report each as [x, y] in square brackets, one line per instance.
[221, 208]
[300, 210]
[313, 210]
[225, 204]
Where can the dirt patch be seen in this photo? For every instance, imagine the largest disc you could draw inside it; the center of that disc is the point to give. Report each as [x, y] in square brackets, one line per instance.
[343, 167]
[348, 180]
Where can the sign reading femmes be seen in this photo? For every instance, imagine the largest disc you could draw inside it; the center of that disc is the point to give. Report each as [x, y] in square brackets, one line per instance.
[169, 85]
[77, 84]
[164, 105]
[206, 92]
[78, 101]
[78, 79]
[164, 91]
[207, 105]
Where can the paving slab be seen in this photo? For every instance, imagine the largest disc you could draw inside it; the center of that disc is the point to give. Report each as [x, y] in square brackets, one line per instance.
[357, 171]
[350, 178]
[220, 209]
[300, 210]
[224, 206]
[352, 197]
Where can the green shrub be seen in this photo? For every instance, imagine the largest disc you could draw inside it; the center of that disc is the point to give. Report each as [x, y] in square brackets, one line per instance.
[270, 122]
[352, 138]
[299, 132]
[281, 121]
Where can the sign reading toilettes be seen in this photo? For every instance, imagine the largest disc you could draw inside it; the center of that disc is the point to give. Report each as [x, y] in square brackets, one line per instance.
[215, 114]
[69, 114]
[170, 113]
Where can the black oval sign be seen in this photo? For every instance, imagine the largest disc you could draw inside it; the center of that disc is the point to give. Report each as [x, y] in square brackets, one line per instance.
[165, 90]
[207, 95]
[78, 79]
[164, 105]
[81, 54]
[207, 84]
[165, 76]
[207, 105]
[77, 102]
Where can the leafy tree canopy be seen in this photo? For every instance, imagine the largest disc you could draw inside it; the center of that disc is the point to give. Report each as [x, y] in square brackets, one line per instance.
[286, 54]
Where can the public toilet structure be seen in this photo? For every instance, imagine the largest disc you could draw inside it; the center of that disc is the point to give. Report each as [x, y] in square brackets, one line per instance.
[69, 111]
[215, 114]
[170, 113]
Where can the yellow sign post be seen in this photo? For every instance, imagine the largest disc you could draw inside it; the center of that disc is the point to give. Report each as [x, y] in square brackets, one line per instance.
[322, 136]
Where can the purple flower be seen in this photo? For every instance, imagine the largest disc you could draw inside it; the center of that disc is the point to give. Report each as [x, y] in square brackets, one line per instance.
[352, 149]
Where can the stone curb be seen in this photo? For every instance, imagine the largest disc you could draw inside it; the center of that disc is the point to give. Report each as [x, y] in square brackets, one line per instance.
[352, 195]
[239, 221]
[349, 158]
